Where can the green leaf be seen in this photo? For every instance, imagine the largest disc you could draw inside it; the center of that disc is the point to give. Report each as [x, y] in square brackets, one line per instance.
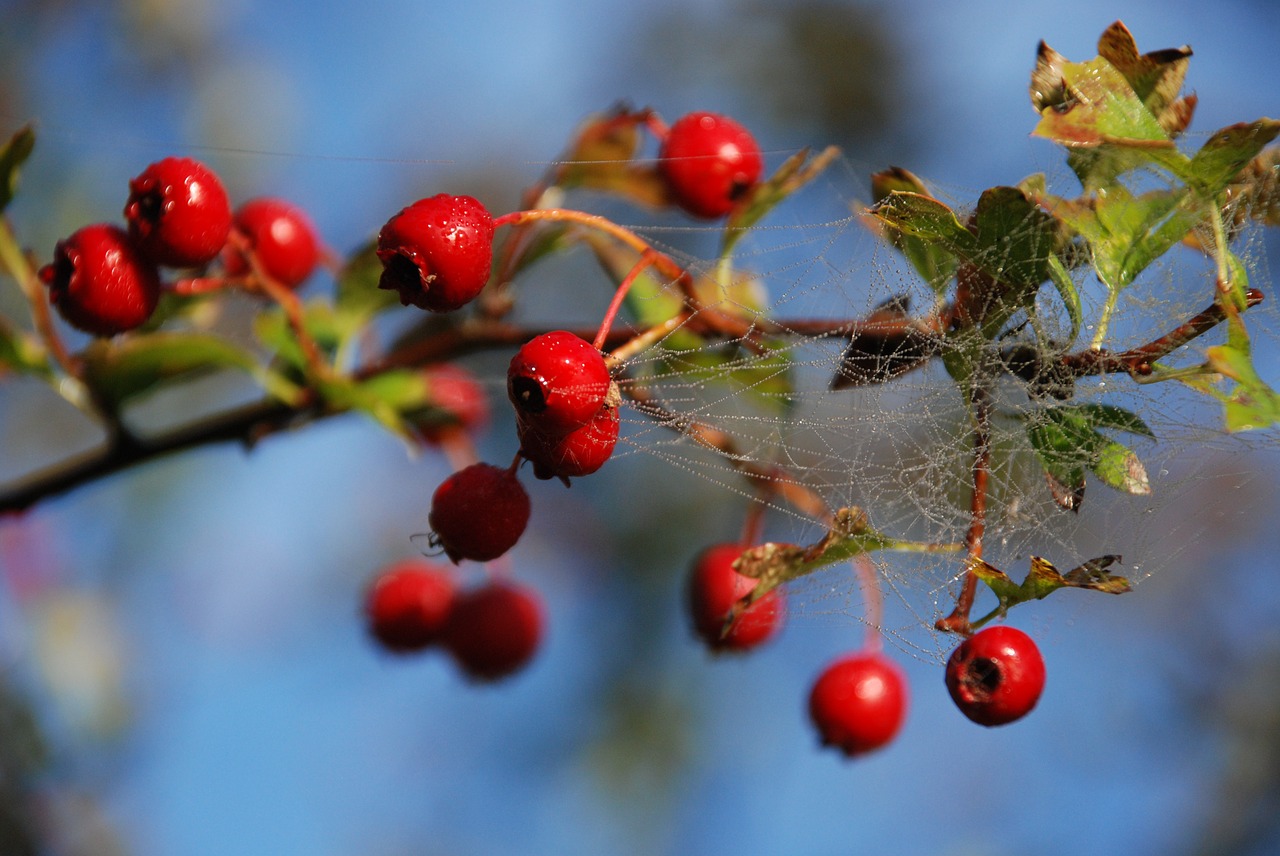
[1016, 238]
[357, 286]
[386, 397]
[1070, 295]
[1225, 154]
[1044, 579]
[125, 368]
[1067, 441]
[921, 216]
[935, 264]
[1251, 404]
[328, 325]
[12, 156]
[22, 352]
[1117, 466]
[764, 379]
[797, 171]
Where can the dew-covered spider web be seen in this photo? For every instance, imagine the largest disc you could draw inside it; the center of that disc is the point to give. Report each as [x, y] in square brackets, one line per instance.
[901, 446]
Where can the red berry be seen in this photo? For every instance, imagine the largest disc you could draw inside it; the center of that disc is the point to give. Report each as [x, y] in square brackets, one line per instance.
[437, 252]
[558, 382]
[456, 403]
[100, 282]
[282, 238]
[859, 702]
[178, 212]
[996, 676]
[714, 587]
[579, 452]
[409, 604]
[479, 513]
[494, 630]
[709, 162]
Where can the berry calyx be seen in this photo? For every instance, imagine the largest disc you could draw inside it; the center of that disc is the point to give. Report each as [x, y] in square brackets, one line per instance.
[478, 513]
[858, 703]
[437, 252]
[456, 404]
[714, 588]
[709, 162]
[100, 282]
[409, 604]
[996, 676]
[494, 630]
[558, 382]
[178, 212]
[281, 238]
[579, 452]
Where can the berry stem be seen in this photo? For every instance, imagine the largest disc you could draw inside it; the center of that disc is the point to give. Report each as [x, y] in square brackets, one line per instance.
[24, 273]
[646, 261]
[721, 323]
[193, 286]
[753, 522]
[873, 601]
[292, 307]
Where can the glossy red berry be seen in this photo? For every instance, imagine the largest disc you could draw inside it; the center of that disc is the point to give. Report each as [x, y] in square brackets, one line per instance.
[579, 452]
[714, 587]
[858, 703]
[100, 282]
[437, 252]
[178, 212]
[709, 162]
[494, 630]
[995, 676]
[479, 513]
[558, 382]
[281, 237]
[457, 403]
[409, 604]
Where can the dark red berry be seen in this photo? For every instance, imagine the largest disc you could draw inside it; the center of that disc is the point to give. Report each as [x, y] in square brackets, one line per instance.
[100, 282]
[409, 605]
[478, 513]
[709, 162]
[494, 630]
[579, 452]
[714, 587]
[558, 382]
[995, 676]
[437, 252]
[178, 212]
[858, 703]
[280, 236]
[456, 401]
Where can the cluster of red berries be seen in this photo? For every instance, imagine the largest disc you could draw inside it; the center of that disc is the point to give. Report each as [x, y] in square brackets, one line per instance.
[437, 254]
[105, 279]
[491, 631]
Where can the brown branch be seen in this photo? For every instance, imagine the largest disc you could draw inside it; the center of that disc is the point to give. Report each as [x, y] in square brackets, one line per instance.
[1137, 361]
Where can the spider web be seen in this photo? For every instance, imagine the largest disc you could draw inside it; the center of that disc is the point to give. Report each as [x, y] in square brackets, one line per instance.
[902, 450]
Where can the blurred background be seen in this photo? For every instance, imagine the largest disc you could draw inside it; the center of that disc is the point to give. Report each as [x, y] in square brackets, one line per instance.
[183, 668]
